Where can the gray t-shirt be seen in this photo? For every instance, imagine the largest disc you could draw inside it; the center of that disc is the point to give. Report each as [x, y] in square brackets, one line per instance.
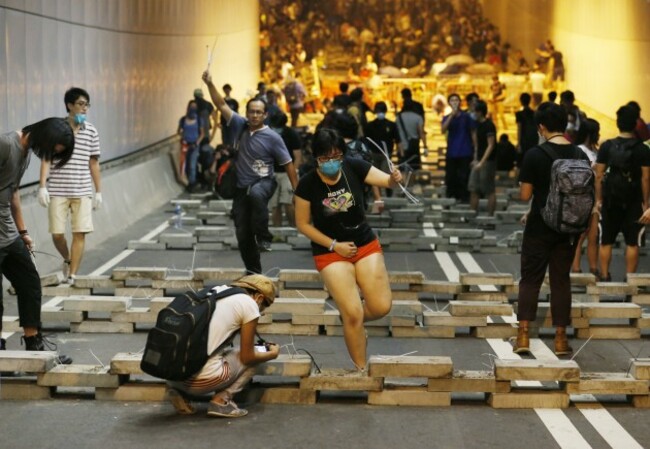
[13, 163]
[257, 152]
[408, 126]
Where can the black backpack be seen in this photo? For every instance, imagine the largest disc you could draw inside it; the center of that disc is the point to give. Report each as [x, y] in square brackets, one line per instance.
[570, 198]
[225, 184]
[620, 186]
[359, 150]
[177, 347]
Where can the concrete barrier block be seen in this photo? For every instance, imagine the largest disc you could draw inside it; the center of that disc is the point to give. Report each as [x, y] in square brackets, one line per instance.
[608, 383]
[613, 332]
[97, 282]
[441, 287]
[473, 308]
[528, 400]
[52, 279]
[27, 361]
[297, 306]
[23, 389]
[286, 366]
[78, 376]
[135, 315]
[539, 370]
[486, 279]
[432, 318]
[126, 363]
[611, 310]
[136, 273]
[341, 380]
[138, 292]
[101, 327]
[470, 381]
[640, 368]
[406, 277]
[423, 332]
[97, 303]
[409, 396]
[218, 274]
[409, 366]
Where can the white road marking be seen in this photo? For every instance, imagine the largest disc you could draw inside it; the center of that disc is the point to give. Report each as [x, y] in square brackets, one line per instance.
[563, 431]
[447, 265]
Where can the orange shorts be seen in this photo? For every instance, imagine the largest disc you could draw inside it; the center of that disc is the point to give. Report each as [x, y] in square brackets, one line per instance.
[324, 260]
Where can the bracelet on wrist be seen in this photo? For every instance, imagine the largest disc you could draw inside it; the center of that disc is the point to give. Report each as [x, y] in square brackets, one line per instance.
[332, 245]
[23, 232]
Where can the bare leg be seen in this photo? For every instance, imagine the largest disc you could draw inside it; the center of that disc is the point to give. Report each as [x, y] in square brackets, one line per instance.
[340, 280]
[491, 203]
[592, 244]
[276, 216]
[290, 213]
[473, 201]
[372, 278]
[77, 251]
[605, 256]
[575, 267]
[61, 245]
[631, 259]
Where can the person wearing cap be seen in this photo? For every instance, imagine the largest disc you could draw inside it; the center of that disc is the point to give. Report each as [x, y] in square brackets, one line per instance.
[227, 371]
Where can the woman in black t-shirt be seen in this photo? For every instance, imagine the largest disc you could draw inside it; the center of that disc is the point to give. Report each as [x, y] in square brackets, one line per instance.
[330, 212]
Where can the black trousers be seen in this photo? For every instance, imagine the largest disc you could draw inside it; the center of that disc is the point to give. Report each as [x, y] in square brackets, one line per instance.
[17, 266]
[251, 215]
[456, 177]
[539, 252]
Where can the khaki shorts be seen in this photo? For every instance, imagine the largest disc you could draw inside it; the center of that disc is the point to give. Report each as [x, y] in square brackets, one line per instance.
[284, 193]
[80, 210]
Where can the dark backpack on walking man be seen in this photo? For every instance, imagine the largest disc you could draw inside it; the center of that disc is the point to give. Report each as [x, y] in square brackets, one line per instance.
[177, 347]
[571, 194]
[619, 185]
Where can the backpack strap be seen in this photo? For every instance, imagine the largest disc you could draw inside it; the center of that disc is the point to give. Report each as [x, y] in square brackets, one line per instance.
[550, 152]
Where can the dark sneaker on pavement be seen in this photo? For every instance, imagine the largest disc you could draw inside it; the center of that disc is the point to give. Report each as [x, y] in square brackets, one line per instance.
[229, 410]
[264, 246]
[39, 342]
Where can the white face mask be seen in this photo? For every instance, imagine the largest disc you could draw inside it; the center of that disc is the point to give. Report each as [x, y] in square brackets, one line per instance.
[381, 115]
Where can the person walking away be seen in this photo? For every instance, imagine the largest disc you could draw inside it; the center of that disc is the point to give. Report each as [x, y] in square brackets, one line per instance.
[542, 246]
[190, 128]
[622, 191]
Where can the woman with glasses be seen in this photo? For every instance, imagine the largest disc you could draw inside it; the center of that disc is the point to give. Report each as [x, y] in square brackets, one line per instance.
[330, 212]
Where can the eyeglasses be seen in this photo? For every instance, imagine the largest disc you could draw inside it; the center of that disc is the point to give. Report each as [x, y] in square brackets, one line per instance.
[324, 159]
[83, 104]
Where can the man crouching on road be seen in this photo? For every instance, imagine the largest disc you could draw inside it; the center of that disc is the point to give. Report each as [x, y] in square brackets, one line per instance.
[228, 371]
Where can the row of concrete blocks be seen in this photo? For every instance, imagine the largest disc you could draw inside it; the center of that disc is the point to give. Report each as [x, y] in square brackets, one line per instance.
[309, 316]
[390, 380]
[157, 281]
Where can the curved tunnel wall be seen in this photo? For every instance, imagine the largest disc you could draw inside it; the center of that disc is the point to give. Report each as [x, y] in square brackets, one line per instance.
[140, 61]
[605, 44]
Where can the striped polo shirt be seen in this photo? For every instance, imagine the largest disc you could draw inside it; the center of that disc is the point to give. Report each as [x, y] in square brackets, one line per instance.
[73, 179]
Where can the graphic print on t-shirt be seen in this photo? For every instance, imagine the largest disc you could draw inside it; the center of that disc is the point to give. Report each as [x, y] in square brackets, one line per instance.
[338, 201]
[260, 168]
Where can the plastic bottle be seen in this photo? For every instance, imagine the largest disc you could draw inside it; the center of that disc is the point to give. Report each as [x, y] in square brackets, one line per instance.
[178, 216]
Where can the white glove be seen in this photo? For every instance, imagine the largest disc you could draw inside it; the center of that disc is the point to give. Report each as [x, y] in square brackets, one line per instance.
[97, 202]
[43, 197]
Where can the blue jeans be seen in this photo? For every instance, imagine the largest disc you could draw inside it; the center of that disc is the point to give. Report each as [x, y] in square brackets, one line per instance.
[191, 162]
[251, 215]
[17, 266]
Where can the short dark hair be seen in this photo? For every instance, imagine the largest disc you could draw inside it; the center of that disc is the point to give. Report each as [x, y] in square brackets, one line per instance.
[567, 97]
[552, 116]
[346, 125]
[481, 106]
[343, 87]
[589, 129]
[380, 106]
[227, 87]
[635, 106]
[552, 95]
[44, 136]
[356, 94]
[471, 96]
[72, 95]
[256, 99]
[452, 95]
[626, 118]
[278, 120]
[524, 99]
[325, 140]
[406, 93]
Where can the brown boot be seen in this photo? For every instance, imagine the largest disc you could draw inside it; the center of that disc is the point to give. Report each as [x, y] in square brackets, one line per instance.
[561, 343]
[522, 345]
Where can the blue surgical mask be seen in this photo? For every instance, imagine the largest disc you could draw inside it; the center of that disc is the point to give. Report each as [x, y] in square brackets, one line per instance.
[330, 168]
[381, 115]
[79, 119]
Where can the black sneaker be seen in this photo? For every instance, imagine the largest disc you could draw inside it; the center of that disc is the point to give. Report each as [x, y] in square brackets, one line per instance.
[264, 246]
[3, 344]
[39, 342]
